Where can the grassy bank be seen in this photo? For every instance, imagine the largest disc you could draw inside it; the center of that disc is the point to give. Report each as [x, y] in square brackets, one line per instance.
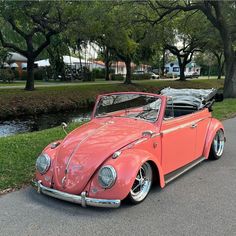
[17, 102]
[18, 153]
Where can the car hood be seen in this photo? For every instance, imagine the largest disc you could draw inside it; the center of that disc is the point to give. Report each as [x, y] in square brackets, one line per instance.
[87, 147]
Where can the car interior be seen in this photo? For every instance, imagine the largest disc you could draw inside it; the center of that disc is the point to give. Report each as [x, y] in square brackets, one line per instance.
[177, 110]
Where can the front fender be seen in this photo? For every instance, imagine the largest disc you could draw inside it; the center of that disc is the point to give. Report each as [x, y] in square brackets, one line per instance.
[126, 166]
[212, 129]
[48, 176]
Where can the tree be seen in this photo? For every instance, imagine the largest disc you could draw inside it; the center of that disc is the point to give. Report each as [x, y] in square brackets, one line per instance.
[55, 51]
[214, 46]
[3, 55]
[221, 14]
[134, 40]
[184, 55]
[189, 38]
[31, 26]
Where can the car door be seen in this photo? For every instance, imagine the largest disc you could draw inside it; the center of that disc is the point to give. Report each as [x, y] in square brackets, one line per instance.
[202, 123]
[178, 138]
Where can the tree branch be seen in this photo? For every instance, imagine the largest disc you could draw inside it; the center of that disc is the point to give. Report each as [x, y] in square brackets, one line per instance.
[12, 46]
[44, 44]
[11, 21]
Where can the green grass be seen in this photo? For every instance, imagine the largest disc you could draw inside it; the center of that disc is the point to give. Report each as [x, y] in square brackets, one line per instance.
[18, 153]
[3, 84]
[226, 109]
[21, 84]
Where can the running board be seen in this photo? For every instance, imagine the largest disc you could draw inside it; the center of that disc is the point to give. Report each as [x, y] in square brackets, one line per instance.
[173, 175]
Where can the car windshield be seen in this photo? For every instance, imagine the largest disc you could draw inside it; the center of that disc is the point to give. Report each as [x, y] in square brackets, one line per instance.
[136, 106]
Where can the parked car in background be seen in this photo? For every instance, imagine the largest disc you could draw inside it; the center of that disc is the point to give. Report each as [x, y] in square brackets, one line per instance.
[139, 72]
[133, 140]
[154, 76]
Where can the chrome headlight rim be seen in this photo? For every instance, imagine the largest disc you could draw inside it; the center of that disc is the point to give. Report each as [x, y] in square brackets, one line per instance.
[48, 163]
[114, 175]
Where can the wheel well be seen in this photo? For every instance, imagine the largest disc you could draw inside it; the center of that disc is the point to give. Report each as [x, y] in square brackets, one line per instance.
[156, 174]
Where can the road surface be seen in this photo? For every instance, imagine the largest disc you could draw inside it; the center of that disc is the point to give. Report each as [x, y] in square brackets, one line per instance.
[201, 202]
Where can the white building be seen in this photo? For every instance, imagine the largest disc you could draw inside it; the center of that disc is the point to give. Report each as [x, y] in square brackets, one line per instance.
[191, 69]
[120, 68]
[74, 62]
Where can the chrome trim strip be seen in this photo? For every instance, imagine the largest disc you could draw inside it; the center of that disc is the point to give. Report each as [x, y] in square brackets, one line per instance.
[83, 200]
[182, 171]
[156, 135]
[167, 131]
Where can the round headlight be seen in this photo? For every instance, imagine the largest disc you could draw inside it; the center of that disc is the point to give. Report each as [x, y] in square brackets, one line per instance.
[107, 176]
[43, 163]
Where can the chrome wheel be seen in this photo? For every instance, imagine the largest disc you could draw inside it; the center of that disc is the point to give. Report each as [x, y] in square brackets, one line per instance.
[219, 143]
[142, 183]
[217, 146]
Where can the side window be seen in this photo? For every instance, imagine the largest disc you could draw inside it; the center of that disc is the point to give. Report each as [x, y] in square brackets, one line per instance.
[169, 111]
[175, 69]
[174, 109]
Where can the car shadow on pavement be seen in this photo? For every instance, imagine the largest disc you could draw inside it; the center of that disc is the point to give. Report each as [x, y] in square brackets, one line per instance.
[64, 207]
[61, 206]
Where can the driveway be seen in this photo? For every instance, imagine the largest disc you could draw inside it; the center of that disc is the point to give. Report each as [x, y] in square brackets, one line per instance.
[201, 202]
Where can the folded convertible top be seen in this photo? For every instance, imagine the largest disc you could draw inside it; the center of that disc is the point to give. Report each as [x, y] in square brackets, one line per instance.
[197, 98]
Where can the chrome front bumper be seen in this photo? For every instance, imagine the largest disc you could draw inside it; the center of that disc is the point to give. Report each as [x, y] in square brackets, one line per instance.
[78, 199]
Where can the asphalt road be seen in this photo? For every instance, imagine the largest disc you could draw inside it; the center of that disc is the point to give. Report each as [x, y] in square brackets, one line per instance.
[201, 202]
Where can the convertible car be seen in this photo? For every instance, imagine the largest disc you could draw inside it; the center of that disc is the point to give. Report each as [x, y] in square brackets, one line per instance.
[133, 140]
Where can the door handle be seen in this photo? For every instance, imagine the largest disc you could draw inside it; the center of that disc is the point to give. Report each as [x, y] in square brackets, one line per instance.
[193, 126]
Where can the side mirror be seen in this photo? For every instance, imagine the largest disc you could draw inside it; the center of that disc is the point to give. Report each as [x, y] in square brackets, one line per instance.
[64, 126]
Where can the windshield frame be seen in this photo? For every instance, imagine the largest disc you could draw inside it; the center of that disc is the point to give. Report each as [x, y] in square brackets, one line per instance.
[120, 93]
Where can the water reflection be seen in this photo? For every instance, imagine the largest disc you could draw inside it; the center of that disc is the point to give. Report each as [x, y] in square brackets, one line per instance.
[30, 124]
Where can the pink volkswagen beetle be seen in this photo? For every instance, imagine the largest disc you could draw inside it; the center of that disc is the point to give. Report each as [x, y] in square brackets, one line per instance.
[132, 140]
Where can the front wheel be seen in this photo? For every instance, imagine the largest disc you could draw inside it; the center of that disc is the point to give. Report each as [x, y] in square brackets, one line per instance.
[217, 146]
[142, 184]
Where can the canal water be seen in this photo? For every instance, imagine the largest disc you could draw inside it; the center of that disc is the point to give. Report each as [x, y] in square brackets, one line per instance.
[45, 121]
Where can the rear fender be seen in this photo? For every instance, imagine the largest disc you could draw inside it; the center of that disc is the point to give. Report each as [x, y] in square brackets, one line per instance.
[127, 166]
[212, 129]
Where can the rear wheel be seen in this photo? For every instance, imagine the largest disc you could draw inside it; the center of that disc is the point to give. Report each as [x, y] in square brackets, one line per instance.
[142, 184]
[217, 146]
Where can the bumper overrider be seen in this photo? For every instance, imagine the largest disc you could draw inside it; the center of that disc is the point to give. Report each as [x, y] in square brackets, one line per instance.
[78, 199]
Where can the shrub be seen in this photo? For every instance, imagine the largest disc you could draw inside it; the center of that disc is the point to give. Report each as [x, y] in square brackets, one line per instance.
[7, 75]
[171, 75]
[24, 75]
[98, 73]
[40, 74]
[145, 76]
[86, 75]
[117, 77]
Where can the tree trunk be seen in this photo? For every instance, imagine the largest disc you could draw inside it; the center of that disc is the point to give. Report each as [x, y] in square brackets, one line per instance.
[230, 78]
[181, 74]
[107, 64]
[30, 74]
[219, 72]
[220, 64]
[107, 70]
[163, 63]
[230, 66]
[182, 65]
[128, 71]
[230, 58]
